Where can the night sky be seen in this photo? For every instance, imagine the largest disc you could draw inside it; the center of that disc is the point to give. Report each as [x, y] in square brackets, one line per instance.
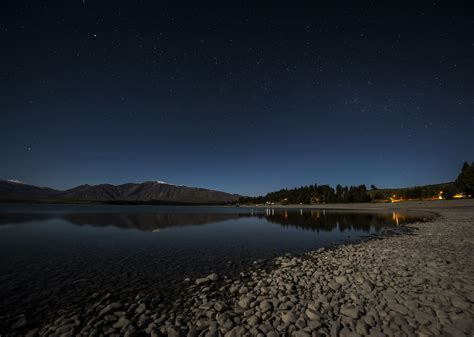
[243, 99]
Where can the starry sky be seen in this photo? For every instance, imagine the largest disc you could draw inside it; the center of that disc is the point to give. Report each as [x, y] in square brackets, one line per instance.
[244, 99]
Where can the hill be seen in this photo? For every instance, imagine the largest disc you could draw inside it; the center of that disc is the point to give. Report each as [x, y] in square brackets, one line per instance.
[152, 192]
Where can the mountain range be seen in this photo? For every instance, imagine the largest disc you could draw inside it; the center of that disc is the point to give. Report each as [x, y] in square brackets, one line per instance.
[149, 192]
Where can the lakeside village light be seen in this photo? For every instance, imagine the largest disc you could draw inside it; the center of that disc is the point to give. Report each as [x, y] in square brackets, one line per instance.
[440, 196]
[393, 198]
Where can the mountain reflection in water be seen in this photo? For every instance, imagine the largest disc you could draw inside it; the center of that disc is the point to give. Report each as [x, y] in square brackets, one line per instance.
[304, 219]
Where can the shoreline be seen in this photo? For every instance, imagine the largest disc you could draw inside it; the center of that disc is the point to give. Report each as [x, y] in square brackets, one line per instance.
[431, 205]
[419, 283]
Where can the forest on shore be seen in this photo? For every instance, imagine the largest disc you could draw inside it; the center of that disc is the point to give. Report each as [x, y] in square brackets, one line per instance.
[462, 187]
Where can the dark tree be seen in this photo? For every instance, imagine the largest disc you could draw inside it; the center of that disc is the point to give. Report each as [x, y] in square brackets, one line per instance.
[449, 191]
[465, 180]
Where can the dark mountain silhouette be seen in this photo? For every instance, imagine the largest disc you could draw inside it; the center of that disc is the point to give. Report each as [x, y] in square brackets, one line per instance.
[11, 189]
[153, 192]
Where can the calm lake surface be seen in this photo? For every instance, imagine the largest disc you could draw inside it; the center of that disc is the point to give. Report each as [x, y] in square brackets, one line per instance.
[54, 257]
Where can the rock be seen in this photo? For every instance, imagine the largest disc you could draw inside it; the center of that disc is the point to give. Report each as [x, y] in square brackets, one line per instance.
[206, 306]
[398, 308]
[155, 333]
[201, 281]
[173, 331]
[192, 332]
[367, 286]
[300, 323]
[244, 302]
[464, 325]
[362, 328]
[351, 312]
[144, 320]
[452, 331]
[289, 317]
[301, 333]
[235, 332]
[469, 296]
[243, 290]
[222, 317]
[122, 322]
[211, 333]
[213, 277]
[334, 286]
[220, 306]
[423, 317]
[141, 308]
[130, 332]
[265, 306]
[317, 274]
[314, 325]
[416, 281]
[335, 328]
[345, 332]
[312, 315]
[341, 280]
[369, 320]
[110, 308]
[20, 323]
[291, 263]
[253, 320]
[459, 302]
[65, 328]
[377, 333]
[32, 333]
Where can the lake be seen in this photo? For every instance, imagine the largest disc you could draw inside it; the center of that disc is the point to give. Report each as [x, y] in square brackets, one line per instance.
[56, 257]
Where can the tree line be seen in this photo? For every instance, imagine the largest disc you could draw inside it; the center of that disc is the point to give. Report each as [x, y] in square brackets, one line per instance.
[313, 194]
[325, 194]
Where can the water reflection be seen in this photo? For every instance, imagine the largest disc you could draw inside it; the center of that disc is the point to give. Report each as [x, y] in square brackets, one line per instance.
[312, 220]
[328, 221]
